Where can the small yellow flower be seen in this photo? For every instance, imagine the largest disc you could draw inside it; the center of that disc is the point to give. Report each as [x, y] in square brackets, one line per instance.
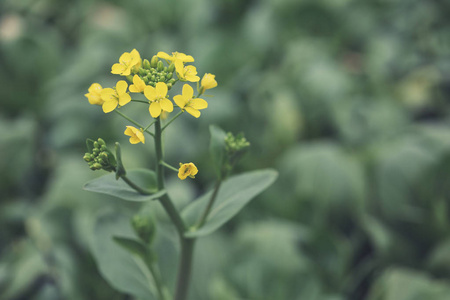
[188, 103]
[128, 62]
[208, 82]
[94, 95]
[138, 85]
[157, 96]
[186, 73]
[114, 97]
[136, 135]
[186, 170]
[176, 56]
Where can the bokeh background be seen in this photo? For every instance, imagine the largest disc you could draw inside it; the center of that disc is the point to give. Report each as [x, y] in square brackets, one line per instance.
[347, 99]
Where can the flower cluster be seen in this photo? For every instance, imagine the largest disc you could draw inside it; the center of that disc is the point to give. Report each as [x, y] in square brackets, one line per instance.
[151, 80]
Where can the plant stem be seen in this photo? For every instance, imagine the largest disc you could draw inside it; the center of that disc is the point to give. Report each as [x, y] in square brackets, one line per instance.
[136, 187]
[173, 119]
[156, 276]
[169, 166]
[133, 121]
[187, 245]
[184, 270]
[207, 210]
[141, 101]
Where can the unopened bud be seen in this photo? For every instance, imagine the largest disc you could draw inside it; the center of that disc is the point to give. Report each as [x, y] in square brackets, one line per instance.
[146, 64]
[101, 142]
[171, 68]
[154, 61]
[160, 66]
[142, 72]
[169, 75]
[169, 86]
[96, 145]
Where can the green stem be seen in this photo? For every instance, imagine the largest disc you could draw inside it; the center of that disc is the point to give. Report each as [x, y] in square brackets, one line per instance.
[171, 120]
[135, 187]
[158, 282]
[184, 270]
[141, 101]
[187, 245]
[169, 166]
[207, 210]
[133, 121]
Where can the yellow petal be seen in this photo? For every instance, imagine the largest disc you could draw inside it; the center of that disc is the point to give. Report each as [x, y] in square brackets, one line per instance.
[134, 140]
[166, 105]
[108, 94]
[164, 55]
[95, 88]
[150, 93]
[198, 103]
[129, 131]
[193, 168]
[188, 91]
[192, 111]
[124, 99]
[121, 87]
[117, 69]
[109, 106]
[182, 172]
[180, 100]
[192, 78]
[125, 58]
[161, 89]
[179, 67]
[208, 81]
[155, 109]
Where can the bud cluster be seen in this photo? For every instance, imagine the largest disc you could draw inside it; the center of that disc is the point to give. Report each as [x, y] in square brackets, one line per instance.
[154, 71]
[234, 144]
[100, 157]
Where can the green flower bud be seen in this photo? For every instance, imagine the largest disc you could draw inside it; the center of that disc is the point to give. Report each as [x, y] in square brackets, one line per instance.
[95, 151]
[145, 78]
[103, 148]
[161, 78]
[97, 166]
[129, 78]
[145, 227]
[154, 61]
[171, 68]
[101, 142]
[146, 64]
[96, 145]
[87, 157]
[169, 86]
[165, 69]
[160, 66]
[172, 81]
[169, 75]
[142, 72]
[153, 78]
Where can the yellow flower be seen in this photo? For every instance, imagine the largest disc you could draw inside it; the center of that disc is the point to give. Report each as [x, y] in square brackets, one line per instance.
[186, 73]
[176, 56]
[136, 135]
[186, 170]
[138, 85]
[114, 97]
[128, 62]
[94, 95]
[157, 96]
[188, 103]
[208, 82]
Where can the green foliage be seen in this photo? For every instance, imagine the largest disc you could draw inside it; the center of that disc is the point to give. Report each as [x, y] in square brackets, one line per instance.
[233, 195]
[109, 185]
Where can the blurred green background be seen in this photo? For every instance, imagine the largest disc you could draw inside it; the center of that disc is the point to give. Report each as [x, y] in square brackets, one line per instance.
[347, 99]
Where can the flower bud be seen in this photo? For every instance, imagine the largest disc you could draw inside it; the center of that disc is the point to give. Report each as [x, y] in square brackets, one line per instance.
[145, 79]
[101, 142]
[142, 72]
[146, 64]
[160, 66]
[87, 157]
[130, 78]
[169, 86]
[96, 145]
[172, 81]
[171, 68]
[145, 227]
[169, 75]
[154, 61]
[97, 166]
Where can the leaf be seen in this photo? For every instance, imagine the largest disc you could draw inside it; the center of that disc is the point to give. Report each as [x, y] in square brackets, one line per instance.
[122, 270]
[134, 246]
[233, 195]
[217, 148]
[108, 185]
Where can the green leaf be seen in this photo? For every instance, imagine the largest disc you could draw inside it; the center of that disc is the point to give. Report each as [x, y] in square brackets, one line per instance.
[217, 148]
[133, 246]
[121, 269]
[108, 185]
[233, 195]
